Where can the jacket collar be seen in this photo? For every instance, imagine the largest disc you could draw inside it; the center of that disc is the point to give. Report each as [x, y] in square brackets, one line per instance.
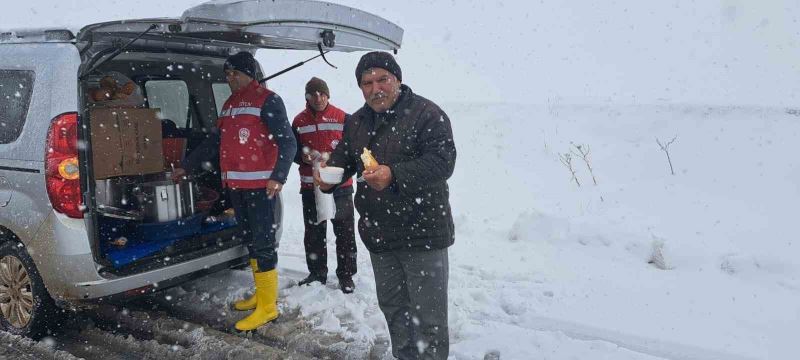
[247, 88]
[379, 119]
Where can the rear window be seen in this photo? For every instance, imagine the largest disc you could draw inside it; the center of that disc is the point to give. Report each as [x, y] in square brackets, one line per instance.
[172, 97]
[222, 91]
[16, 87]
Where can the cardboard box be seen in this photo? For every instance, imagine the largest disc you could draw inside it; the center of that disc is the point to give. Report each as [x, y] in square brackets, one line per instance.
[126, 141]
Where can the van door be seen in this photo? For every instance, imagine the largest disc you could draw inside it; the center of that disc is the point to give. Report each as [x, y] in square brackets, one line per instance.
[278, 24]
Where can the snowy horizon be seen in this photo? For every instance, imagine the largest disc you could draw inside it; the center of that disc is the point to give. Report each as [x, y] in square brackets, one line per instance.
[624, 253]
[724, 52]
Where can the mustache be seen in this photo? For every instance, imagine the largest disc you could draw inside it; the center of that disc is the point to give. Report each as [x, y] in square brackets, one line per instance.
[377, 96]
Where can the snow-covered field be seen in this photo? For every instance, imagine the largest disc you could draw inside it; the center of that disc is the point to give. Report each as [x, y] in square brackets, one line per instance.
[544, 269]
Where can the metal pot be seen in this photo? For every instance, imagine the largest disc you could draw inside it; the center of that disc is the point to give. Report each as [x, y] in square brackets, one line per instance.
[114, 198]
[165, 200]
[114, 192]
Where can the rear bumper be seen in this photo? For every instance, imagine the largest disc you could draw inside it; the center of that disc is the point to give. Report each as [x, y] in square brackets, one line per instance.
[65, 263]
[162, 277]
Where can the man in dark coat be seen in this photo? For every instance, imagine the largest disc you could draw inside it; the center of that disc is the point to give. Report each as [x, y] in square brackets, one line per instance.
[406, 222]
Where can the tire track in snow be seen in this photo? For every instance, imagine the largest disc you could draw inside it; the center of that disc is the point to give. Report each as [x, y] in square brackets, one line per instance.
[643, 345]
[180, 324]
[289, 332]
[111, 333]
[185, 339]
[481, 280]
[17, 347]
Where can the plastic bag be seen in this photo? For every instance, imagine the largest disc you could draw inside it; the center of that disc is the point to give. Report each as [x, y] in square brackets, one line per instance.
[326, 206]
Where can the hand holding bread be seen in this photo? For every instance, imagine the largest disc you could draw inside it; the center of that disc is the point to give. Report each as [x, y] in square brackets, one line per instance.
[369, 161]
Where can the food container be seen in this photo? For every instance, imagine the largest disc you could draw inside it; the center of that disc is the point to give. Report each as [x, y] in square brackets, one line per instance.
[114, 198]
[165, 200]
[331, 174]
[114, 192]
[206, 199]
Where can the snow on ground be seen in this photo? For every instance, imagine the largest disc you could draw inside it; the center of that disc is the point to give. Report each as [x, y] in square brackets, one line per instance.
[544, 269]
[22, 348]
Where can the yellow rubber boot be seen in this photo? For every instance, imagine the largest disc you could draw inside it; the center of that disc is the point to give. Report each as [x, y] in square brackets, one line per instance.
[249, 303]
[266, 301]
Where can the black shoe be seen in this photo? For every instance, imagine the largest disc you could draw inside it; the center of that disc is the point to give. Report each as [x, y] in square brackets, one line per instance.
[347, 285]
[312, 278]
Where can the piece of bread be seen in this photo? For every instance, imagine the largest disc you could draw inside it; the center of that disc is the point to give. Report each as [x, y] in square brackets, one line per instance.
[119, 95]
[368, 160]
[99, 95]
[128, 88]
[108, 83]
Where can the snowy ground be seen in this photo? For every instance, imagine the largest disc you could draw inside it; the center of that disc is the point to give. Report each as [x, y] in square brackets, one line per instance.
[542, 268]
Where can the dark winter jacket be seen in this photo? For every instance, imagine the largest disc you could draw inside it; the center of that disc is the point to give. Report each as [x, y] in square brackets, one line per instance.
[415, 140]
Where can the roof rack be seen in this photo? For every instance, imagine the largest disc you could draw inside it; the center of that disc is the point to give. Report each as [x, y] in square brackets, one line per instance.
[36, 36]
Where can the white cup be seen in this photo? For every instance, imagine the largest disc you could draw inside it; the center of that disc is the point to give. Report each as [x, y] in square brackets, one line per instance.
[331, 174]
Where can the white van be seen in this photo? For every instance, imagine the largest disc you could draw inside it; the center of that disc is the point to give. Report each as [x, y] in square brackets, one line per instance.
[86, 208]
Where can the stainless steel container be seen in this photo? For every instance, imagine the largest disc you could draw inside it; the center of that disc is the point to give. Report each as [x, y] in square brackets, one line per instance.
[114, 198]
[114, 192]
[163, 201]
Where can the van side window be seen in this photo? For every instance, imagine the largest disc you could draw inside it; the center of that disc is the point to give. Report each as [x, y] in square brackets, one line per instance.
[222, 91]
[172, 97]
[16, 87]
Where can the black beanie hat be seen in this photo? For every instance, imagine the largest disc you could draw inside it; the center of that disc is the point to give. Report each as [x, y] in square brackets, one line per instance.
[378, 59]
[317, 85]
[244, 62]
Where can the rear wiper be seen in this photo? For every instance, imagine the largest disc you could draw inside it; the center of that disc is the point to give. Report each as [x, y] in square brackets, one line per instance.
[117, 52]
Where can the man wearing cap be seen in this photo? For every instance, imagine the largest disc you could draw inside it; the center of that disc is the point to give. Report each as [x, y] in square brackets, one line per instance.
[406, 222]
[318, 129]
[256, 147]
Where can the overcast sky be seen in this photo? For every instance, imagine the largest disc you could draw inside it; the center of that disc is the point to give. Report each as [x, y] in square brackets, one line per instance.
[737, 52]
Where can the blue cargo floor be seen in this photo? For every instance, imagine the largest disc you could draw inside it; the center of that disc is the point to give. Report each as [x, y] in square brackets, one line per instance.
[147, 239]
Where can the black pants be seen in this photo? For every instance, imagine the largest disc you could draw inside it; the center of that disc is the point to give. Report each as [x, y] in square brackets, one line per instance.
[255, 214]
[315, 236]
[412, 294]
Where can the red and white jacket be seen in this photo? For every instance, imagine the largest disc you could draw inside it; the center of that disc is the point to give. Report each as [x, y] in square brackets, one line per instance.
[320, 131]
[248, 152]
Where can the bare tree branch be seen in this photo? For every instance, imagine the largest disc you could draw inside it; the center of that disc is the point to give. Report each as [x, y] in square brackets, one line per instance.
[665, 149]
[566, 159]
[583, 152]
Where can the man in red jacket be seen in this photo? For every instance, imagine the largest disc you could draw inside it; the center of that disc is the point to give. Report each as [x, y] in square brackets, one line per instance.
[255, 145]
[318, 130]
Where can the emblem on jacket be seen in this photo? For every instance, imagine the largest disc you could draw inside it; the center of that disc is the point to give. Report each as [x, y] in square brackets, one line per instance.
[244, 134]
[334, 143]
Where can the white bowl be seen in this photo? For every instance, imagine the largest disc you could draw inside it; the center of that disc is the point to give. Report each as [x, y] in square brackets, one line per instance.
[331, 174]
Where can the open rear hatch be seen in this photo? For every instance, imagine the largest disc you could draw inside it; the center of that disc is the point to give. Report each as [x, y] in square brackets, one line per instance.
[215, 29]
[279, 24]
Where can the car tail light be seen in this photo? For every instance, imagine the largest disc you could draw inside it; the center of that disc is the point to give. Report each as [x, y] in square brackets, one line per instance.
[61, 166]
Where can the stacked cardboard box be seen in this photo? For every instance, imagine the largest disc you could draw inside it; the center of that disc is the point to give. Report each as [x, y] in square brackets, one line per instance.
[125, 141]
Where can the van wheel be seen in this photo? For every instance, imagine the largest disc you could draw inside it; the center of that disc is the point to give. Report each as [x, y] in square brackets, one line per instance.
[26, 308]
